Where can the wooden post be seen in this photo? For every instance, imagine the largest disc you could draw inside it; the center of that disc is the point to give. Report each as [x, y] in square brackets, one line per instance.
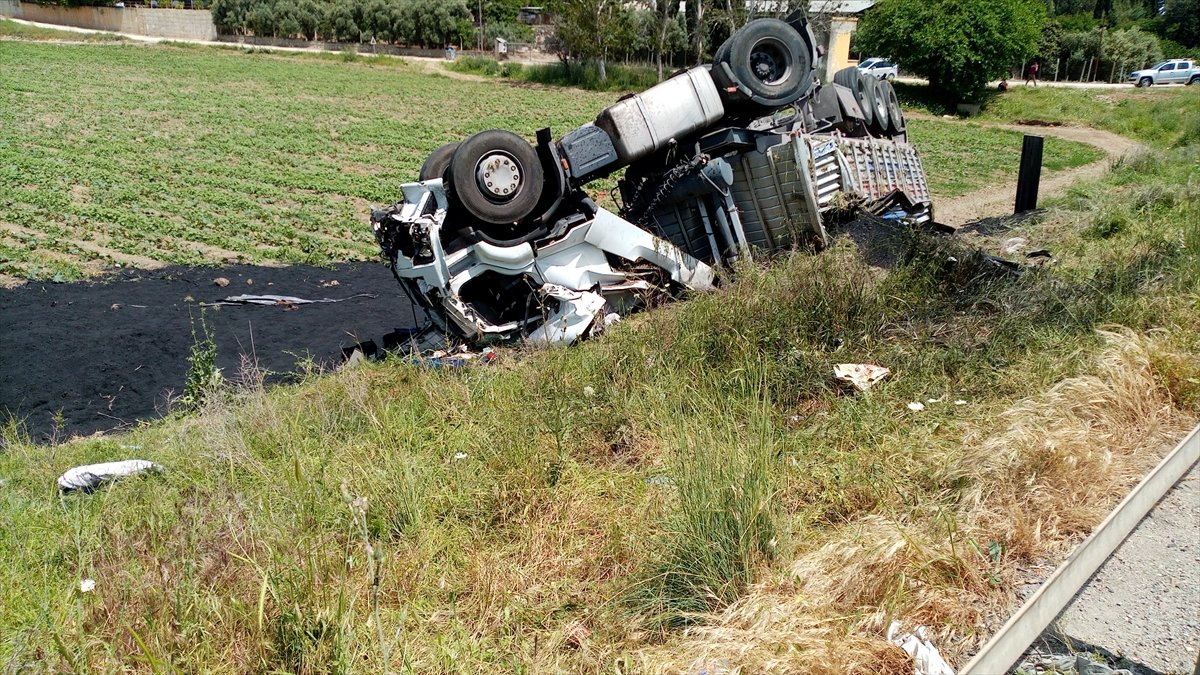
[1030, 174]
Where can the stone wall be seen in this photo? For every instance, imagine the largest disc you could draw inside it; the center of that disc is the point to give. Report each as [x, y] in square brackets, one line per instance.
[187, 24]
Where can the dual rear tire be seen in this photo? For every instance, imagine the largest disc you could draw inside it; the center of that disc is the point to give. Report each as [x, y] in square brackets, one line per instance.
[877, 98]
[767, 63]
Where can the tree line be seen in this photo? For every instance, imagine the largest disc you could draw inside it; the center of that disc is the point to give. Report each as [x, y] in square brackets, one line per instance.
[421, 23]
[960, 45]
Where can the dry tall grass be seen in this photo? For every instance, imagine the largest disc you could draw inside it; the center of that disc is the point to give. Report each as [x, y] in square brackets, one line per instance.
[1042, 477]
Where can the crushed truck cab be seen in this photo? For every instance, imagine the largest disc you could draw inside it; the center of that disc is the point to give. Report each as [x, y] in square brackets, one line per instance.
[499, 241]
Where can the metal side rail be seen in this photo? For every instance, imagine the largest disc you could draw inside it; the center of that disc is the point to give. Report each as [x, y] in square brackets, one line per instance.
[1012, 640]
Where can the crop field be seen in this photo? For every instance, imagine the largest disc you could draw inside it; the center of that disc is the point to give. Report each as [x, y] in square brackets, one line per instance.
[138, 156]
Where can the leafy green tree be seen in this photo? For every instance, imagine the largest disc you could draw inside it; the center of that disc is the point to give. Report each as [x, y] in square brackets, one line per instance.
[229, 16]
[338, 23]
[1181, 22]
[592, 30]
[958, 44]
[1129, 49]
[501, 11]
[261, 19]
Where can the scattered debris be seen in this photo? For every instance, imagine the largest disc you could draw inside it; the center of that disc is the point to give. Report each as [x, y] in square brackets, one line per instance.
[862, 375]
[1011, 246]
[332, 283]
[87, 585]
[280, 300]
[1039, 257]
[960, 402]
[575, 634]
[458, 358]
[916, 406]
[221, 281]
[91, 476]
[926, 658]
[356, 357]
[458, 456]
[1067, 664]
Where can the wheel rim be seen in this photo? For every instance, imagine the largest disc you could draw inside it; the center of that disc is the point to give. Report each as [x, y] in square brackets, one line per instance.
[498, 175]
[769, 62]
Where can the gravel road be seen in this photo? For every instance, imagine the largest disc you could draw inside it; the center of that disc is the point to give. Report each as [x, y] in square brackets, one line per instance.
[1141, 610]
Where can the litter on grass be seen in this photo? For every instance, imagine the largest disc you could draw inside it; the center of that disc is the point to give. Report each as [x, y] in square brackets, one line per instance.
[916, 406]
[91, 476]
[926, 658]
[862, 375]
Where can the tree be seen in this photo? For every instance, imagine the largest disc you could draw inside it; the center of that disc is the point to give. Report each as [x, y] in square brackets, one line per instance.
[1181, 22]
[592, 29]
[958, 44]
[1130, 49]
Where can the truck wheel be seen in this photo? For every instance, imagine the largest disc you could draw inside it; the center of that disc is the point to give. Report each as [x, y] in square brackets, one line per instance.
[1145, 82]
[879, 98]
[437, 161]
[856, 82]
[896, 124]
[496, 176]
[1195, 80]
[768, 58]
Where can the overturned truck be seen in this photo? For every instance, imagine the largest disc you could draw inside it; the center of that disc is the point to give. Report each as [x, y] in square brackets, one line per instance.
[745, 156]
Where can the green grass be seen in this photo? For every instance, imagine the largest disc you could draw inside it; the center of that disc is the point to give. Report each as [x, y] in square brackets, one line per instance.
[620, 78]
[187, 155]
[1162, 116]
[191, 155]
[960, 158]
[13, 30]
[567, 510]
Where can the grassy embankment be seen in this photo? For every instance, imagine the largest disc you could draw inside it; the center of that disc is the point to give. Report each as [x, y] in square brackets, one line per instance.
[582, 75]
[691, 490]
[11, 30]
[169, 154]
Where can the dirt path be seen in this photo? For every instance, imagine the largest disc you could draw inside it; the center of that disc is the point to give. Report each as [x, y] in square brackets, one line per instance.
[997, 199]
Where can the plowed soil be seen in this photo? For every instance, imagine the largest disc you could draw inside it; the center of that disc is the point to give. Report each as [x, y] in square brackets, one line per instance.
[99, 356]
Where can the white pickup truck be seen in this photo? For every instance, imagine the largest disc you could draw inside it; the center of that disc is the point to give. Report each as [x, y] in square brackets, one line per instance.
[1175, 71]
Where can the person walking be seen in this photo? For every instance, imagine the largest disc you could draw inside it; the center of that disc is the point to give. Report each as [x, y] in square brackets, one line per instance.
[1031, 74]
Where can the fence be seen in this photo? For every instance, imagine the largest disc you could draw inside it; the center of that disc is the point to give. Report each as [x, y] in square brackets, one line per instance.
[187, 24]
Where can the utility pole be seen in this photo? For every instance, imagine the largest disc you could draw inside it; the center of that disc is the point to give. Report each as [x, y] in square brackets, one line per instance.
[480, 25]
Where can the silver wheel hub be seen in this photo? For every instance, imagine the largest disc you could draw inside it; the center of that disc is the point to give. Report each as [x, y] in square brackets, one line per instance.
[498, 176]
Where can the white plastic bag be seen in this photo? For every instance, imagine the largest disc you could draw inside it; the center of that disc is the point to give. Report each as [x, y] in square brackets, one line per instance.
[91, 476]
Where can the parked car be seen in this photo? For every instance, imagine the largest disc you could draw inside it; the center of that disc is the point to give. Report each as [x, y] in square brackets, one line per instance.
[881, 68]
[1174, 71]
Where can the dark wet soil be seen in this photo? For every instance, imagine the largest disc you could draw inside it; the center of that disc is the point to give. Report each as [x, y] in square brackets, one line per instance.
[100, 356]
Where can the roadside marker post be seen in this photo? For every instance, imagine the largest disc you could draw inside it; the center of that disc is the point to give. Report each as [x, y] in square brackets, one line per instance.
[1030, 174]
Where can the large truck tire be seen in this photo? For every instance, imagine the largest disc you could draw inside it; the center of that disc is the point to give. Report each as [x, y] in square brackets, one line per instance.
[879, 98]
[437, 161]
[767, 61]
[858, 83]
[496, 176]
[897, 126]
